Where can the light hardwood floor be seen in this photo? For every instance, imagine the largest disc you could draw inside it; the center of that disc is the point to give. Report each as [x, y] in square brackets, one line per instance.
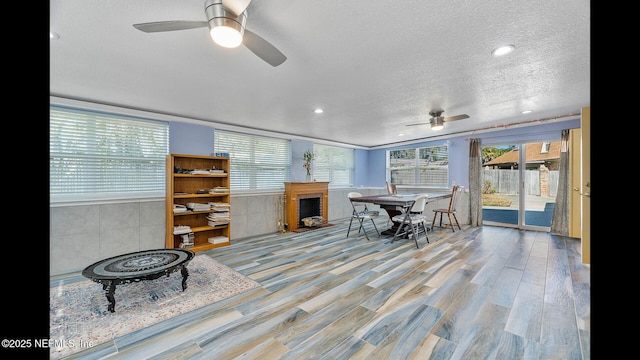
[480, 293]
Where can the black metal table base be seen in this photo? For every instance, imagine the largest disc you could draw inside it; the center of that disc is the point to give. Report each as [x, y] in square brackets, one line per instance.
[390, 231]
[138, 266]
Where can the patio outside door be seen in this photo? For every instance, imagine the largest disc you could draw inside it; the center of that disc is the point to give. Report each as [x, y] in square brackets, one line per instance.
[519, 186]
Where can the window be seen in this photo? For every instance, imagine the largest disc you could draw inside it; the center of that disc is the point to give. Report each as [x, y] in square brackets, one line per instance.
[96, 155]
[425, 166]
[333, 164]
[544, 149]
[256, 162]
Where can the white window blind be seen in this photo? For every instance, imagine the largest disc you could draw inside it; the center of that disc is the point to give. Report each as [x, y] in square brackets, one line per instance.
[333, 164]
[96, 155]
[256, 162]
[425, 166]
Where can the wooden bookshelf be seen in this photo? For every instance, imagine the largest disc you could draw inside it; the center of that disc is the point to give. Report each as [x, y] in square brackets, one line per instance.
[182, 188]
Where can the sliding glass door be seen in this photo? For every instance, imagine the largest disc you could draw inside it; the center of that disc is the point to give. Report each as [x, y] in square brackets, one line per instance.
[519, 184]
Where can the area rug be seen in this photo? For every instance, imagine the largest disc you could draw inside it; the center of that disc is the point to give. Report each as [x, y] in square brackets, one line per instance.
[305, 229]
[79, 317]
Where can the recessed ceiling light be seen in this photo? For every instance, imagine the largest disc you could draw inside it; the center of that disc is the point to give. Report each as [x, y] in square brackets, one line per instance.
[502, 50]
[318, 111]
[53, 35]
[401, 134]
[527, 111]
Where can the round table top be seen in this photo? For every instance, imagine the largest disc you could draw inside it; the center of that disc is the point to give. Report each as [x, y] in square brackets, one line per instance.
[137, 265]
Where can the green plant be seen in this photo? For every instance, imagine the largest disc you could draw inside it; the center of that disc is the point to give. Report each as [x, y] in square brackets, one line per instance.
[487, 188]
[308, 157]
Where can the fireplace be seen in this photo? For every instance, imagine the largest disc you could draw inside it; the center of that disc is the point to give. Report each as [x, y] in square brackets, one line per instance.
[305, 199]
[309, 206]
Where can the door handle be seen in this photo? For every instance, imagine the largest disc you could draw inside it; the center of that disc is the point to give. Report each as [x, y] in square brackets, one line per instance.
[585, 194]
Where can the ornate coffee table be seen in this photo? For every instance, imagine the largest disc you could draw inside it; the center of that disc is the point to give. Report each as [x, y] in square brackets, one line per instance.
[138, 266]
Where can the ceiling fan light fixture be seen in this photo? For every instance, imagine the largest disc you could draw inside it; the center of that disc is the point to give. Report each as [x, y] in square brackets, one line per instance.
[437, 123]
[225, 29]
[227, 36]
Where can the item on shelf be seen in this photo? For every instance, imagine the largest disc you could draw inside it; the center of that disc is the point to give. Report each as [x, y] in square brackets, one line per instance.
[220, 215]
[219, 206]
[188, 239]
[218, 239]
[218, 218]
[177, 208]
[218, 224]
[219, 189]
[181, 229]
[202, 191]
[198, 206]
[179, 170]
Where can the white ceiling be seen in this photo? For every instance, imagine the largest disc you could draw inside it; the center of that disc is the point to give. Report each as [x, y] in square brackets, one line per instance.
[374, 66]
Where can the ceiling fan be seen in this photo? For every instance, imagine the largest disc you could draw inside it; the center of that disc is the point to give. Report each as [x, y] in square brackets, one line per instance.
[437, 121]
[226, 20]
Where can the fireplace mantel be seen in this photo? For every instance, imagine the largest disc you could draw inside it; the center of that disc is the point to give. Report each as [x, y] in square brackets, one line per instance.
[293, 191]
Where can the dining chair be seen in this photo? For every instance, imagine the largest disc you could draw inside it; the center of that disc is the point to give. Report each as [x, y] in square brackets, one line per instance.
[450, 211]
[391, 188]
[415, 221]
[361, 213]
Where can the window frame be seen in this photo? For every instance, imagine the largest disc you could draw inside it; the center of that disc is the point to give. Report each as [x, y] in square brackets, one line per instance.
[335, 165]
[94, 157]
[415, 168]
[252, 168]
[544, 148]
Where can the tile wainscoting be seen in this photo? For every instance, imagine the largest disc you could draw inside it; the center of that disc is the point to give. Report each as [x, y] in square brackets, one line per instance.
[80, 235]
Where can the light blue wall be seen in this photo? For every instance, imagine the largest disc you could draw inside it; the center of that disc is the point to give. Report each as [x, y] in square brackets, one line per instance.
[377, 163]
[370, 165]
[361, 176]
[298, 147]
[190, 139]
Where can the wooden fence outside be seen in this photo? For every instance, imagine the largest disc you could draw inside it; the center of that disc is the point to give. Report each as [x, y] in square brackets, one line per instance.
[505, 181]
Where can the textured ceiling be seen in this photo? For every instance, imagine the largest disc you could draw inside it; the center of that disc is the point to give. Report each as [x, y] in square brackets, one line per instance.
[373, 67]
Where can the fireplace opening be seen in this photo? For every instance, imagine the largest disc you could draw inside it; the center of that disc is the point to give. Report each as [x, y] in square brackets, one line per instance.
[308, 207]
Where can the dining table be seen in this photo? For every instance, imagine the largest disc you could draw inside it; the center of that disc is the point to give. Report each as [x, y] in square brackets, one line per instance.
[396, 204]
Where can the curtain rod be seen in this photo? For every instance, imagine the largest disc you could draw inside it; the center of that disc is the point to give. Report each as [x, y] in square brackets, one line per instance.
[471, 132]
[542, 120]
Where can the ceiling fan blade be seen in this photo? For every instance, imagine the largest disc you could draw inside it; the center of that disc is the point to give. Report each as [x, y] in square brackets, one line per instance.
[236, 6]
[457, 117]
[263, 48]
[161, 26]
[417, 124]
